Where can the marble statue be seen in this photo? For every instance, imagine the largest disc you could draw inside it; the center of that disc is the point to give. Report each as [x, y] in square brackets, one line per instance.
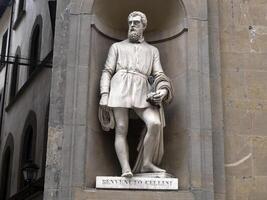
[126, 84]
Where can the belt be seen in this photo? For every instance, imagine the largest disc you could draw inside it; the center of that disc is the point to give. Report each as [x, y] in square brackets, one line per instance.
[134, 72]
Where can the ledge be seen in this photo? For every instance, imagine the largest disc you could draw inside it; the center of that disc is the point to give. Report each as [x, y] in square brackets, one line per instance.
[34, 74]
[96, 194]
[23, 88]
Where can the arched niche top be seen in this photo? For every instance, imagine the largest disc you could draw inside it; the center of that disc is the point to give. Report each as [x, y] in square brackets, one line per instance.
[165, 18]
[9, 142]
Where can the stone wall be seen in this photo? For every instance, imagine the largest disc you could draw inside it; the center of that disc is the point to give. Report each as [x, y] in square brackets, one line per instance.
[243, 29]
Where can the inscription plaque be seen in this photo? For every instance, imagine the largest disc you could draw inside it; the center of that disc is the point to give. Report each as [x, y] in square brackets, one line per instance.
[141, 183]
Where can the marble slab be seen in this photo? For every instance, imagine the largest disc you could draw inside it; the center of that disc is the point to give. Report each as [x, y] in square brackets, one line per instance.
[136, 183]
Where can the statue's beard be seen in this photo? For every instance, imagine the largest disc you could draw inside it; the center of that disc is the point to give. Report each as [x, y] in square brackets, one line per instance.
[134, 36]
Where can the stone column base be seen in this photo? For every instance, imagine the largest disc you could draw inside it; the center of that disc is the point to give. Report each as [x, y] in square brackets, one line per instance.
[96, 194]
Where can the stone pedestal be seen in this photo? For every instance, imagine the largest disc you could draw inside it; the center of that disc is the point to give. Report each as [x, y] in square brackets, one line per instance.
[136, 183]
[96, 194]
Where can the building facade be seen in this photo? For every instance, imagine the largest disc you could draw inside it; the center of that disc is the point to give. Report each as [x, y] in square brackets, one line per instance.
[27, 43]
[215, 53]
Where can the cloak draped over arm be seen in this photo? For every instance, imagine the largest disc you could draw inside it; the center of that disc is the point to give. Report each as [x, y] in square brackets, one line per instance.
[160, 81]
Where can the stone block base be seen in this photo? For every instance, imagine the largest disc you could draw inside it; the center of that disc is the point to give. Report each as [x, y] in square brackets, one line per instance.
[95, 194]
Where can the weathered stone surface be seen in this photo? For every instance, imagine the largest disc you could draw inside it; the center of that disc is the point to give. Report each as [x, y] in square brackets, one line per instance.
[238, 164]
[233, 84]
[259, 123]
[243, 42]
[256, 89]
[258, 190]
[243, 188]
[173, 67]
[176, 157]
[260, 156]
[176, 118]
[230, 187]
[93, 194]
[246, 188]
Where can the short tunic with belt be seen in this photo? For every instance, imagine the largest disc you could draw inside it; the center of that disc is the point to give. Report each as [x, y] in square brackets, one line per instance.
[125, 76]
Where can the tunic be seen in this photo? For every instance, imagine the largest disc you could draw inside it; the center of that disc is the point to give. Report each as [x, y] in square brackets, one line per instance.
[125, 76]
[125, 80]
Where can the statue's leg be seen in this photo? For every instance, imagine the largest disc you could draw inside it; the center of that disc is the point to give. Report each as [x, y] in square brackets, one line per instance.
[151, 118]
[122, 120]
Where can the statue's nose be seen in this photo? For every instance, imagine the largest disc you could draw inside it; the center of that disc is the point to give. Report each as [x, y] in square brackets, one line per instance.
[131, 24]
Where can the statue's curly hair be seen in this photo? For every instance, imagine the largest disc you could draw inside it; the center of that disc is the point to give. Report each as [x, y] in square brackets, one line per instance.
[142, 15]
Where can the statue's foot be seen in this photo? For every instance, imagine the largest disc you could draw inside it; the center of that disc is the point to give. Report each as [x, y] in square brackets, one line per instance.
[151, 168]
[127, 174]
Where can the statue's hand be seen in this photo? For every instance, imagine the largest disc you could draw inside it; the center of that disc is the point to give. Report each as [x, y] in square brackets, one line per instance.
[159, 96]
[104, 100]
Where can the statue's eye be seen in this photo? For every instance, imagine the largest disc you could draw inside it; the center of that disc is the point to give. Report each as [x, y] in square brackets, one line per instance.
[134, 22]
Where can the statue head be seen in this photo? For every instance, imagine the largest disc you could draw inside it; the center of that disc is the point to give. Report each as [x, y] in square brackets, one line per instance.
[137, 22]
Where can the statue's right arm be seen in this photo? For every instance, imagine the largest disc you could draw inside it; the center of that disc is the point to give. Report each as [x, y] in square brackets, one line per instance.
[107, 74]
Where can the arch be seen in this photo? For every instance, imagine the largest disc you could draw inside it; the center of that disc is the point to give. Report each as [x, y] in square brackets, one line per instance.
[3, 49]
[171, 40]
[6, 168]
[110, 23]
[28, 145]
[35, 44]
[14, 86]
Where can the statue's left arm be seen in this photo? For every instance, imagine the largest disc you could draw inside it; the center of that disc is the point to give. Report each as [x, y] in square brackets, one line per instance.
[161, 81]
